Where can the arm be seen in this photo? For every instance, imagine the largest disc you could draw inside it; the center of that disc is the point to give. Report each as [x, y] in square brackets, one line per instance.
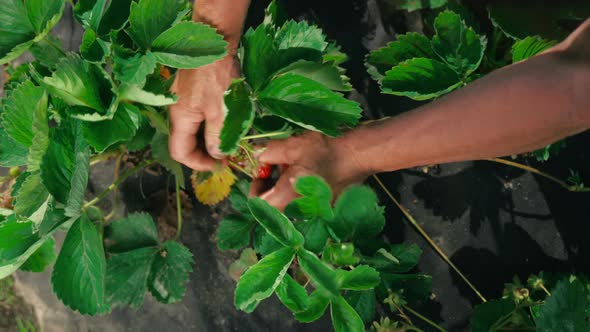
[513, 110]
[201, 90]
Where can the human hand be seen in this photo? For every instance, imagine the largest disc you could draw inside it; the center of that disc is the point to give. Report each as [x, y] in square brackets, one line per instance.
[333, 159]
[200, 100]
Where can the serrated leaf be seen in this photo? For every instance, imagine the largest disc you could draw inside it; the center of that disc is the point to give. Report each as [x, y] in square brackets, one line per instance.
[553, 149]
[292, 294]
[133, 68]
[89, 12]
[137, 230]
[54, 217]
[322, 275]
[357, 214]
[530, 46]
[12, 153]
[239, 116]
[314, 232]
[458, 45]
[189, 45]
[161, 154]
[260, 281]
[31, 196]
[315, 201]
[247, 258]
[342, 254]
[135, 93]
[260, 59]
[80, 83]
[400, 258]
[78, 277]
[415, 288]
[234, 232]
[127, 276]
[213, 187]
[104, 134]
[93, 48]
[300, 35]
[157, 120]
[275, 223]
[317, 305]
[115, 17]
[567, 309]
[309, 104]
[328, 75]
[19, 110]
[143, 137]
[364, 303]
[149, 18]
[170, 272]
[362, 277]
[238, 196]
[40, 131]
[344, 317]
[48, 51]
[487, 314]
[264, 243]
[420, 79]
[406, 47]
[275, 14]
[42, 258]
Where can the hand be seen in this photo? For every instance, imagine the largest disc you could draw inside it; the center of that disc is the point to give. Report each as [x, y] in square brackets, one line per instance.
[309, 154]
[200, 92]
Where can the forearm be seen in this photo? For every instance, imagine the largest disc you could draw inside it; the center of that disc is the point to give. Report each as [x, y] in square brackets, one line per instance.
[513, 110]
[227, 16]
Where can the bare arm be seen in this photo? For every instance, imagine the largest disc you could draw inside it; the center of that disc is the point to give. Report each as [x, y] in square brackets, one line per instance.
[201, 90]
[513, 110]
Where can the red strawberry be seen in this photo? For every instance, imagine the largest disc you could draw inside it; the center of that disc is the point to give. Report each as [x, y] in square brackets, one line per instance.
[264, 171]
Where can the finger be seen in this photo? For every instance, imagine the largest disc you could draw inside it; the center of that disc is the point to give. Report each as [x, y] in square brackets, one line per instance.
[282, 193]
[257, 187]
[276, 153]
[183, 145]
[213, 126]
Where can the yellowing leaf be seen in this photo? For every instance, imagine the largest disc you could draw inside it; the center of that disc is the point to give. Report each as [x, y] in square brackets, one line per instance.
[213, 187]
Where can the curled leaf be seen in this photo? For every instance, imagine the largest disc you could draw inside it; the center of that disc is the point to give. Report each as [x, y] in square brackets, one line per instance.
[213, 187]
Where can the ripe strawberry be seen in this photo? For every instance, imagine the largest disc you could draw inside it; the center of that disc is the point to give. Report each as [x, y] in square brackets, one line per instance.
[264, 171]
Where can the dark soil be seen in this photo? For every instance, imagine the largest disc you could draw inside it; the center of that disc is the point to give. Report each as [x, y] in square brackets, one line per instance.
[14, 311]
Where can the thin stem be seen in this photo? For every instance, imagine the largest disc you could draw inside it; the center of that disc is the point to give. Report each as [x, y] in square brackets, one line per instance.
[115, 192]
[240, 168]
[431, 323]
[178, 210]
[115, 184]
[428, 238]
[538, 172]
[545, 290]
[272, 134]
[103, 157]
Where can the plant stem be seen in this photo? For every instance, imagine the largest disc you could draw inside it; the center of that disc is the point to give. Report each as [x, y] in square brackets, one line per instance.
[431, 323]
[428, 238]
[115, 193]
[538, 172]
[178, 210]
[272, 134]
[115, 184]
[240, 168]
[103, 157]
[545, 290]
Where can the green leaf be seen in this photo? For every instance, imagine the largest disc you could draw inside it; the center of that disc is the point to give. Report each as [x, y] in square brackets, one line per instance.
[328, 75]
[545, 153]
[264, 243]
[115, 17]
[340, 254]
[31, 196]
[135, 93]
[189, 45]
[487, 314]
[161, 154]
[420, 79]
[275, 14]
[238, 197]
[240, 112]
[309, 104]
[40, 131]
[53, 218]
[104, 134]
[157, 120]
[136, 231]
[344, 317]
[415, 288]
[292, 295]
[127, 276]
[315, 201]
[314, 232]
[78, 277]
[275, 223]
[12, 153]
[42, 258]
[150, 18]
[234, 232]
[317, 305]
[170, 272]
[238, 267]
[530, 46]
[48, 51]
[65, 166]
[19, 110]
[364, 303]
[322, 275]
[360, 278]
[400, 258]
[260, 56]
[41, 12]
[413, 5]
[89, 12]
[17, 237]
[567, 309]
[143, 137]
[93, 48]
[406, 47]
[261, 280]
[300, 35]
[133, 68]
[80, 83]
[357, 214]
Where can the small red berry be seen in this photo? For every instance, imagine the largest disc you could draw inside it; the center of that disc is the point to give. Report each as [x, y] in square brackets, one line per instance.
[264, 171]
